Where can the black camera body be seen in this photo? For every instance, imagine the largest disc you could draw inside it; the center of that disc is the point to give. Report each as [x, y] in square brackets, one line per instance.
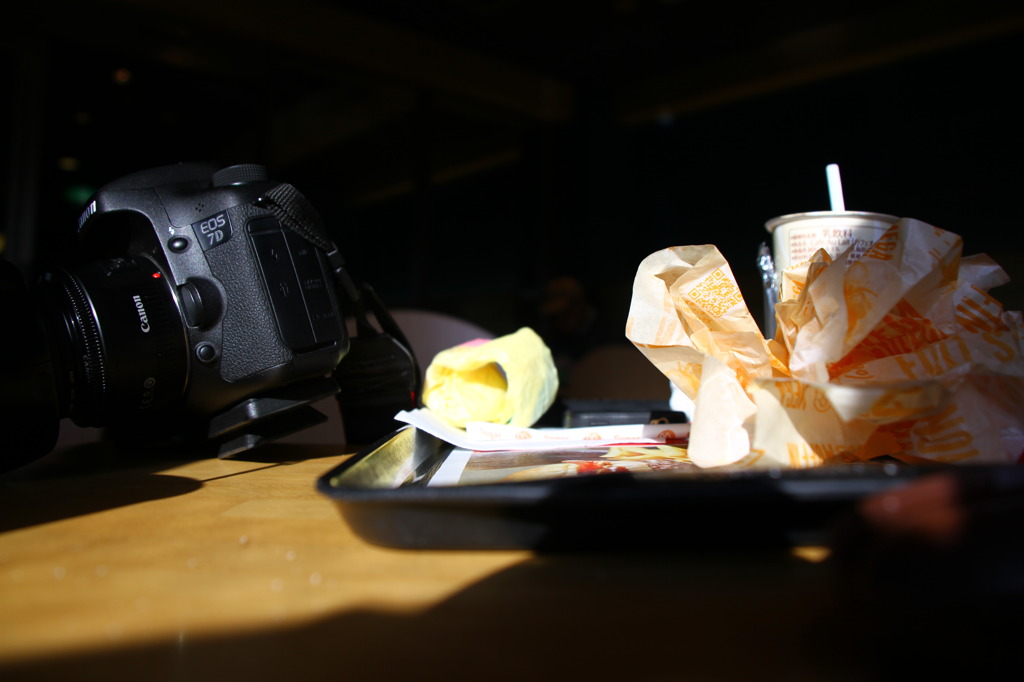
[207, 308]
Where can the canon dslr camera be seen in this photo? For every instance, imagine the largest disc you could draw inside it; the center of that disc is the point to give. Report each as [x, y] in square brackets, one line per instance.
[208, 308]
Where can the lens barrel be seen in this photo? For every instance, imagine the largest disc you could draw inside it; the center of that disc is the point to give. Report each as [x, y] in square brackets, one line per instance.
[117, 339]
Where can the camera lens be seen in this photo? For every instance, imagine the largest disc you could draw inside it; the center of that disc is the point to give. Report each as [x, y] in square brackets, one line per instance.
[117, 340]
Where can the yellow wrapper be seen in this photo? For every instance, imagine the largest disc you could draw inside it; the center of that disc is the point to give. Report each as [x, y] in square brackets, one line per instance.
[509, 380]
[900, 352]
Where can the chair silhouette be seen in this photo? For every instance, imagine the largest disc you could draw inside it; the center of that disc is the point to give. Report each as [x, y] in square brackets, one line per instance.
[615, 372]
[428, 332]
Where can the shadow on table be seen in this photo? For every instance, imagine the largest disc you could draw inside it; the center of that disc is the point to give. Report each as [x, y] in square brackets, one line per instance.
[82, 480]
[885, 606]
[93, 477]
[595, 617]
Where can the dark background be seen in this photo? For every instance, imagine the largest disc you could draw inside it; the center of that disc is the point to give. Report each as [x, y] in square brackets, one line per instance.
[467, 152]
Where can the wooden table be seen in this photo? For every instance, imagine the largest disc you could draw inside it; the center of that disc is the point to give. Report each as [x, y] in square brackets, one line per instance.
[116, 567]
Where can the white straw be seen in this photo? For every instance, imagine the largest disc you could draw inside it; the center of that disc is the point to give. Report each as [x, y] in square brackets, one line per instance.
[835, 187]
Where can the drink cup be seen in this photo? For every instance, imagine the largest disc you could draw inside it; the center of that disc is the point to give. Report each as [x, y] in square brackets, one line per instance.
[795, 237]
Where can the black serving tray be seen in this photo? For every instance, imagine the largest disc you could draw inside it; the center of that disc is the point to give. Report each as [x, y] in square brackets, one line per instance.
[388, 495]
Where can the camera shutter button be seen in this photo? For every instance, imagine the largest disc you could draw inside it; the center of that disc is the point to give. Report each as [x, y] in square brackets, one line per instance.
[240, 175]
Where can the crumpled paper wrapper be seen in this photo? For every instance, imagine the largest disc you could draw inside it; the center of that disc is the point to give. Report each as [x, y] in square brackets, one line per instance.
[902, 352]
[508, 380]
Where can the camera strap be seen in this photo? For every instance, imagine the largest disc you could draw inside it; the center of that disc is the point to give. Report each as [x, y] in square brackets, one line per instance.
[379, 376]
